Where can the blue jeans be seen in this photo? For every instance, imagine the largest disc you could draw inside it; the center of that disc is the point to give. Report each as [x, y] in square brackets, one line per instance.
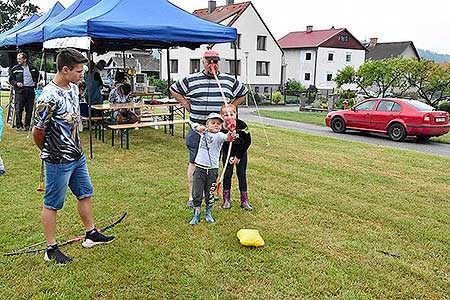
[58, 177]
[192, 141]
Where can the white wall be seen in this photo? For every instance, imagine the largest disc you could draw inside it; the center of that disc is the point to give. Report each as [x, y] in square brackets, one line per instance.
[249, 26]
[297, 65]
[409, 52]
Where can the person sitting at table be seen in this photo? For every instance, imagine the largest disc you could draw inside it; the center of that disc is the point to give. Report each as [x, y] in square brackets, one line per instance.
[122, 95]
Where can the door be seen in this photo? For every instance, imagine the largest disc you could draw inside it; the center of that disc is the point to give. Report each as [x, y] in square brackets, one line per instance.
[385, 112]
[359, 116]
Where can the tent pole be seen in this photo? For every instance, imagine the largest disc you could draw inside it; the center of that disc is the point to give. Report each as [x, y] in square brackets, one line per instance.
[123, 59]
[236, 70]
[88, 98]
[168, 73]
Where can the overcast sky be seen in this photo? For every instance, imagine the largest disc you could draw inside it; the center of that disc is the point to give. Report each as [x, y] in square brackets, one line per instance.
[426, 23]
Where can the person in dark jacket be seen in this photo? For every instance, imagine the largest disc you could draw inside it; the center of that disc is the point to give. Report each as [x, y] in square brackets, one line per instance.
[238, 158]
[23, 77]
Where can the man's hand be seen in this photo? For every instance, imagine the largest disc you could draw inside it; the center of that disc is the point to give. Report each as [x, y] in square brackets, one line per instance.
[200, 128]
[19, 84]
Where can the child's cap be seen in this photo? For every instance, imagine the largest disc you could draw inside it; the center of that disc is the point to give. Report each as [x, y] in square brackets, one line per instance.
[214, 116]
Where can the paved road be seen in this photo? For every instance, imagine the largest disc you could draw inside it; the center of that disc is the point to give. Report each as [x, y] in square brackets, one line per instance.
[249, 114]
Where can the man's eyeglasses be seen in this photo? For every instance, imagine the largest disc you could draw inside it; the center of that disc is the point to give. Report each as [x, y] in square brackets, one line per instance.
[216, 61]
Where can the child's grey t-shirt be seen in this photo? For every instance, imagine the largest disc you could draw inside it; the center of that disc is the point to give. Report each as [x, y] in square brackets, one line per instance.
[209, 149]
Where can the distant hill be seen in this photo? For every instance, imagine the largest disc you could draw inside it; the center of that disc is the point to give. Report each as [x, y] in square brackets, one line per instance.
[437, 57]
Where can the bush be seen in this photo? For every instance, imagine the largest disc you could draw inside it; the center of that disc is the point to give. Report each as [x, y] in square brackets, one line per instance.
[295, 86]
[277, 97]
[340, 105]
[445, 106]
[160, 84]
[347, 94]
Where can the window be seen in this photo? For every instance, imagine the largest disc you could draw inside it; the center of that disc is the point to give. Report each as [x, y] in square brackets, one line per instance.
[266, 90]
[329, 77]
[262, 68]
[366, 106]
[256, 89]
[231, 67]
[348, 57]
[420, 106]
[308, 56]
[396, 107]
[344, 38]
[330, 56]
[307, 76]
[261, 42]
[195, 66]
[238, 42]
[174, 66]
[385, 105]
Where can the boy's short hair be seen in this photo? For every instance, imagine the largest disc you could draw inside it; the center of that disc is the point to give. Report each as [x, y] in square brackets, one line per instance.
[69, 57]
[125, 88]
[23, 54]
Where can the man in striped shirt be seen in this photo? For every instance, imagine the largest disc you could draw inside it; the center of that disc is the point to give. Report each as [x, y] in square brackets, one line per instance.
[200, 94]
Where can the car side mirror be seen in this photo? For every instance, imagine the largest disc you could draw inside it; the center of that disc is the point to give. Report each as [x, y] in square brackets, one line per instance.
[353, 108]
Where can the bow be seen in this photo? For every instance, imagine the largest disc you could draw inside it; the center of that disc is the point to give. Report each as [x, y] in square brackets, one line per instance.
[230, 126]
[29, 249]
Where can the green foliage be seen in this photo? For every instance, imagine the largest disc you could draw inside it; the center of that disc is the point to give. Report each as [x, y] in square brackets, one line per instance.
[445, 106]
[49, 66]
[431, 80]
[347, 94]
[160, 84]
[295, 86]
[277, 97]
[340, 104]
[13, 12]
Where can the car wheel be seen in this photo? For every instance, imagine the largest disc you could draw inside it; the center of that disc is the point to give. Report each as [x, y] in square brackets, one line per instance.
[338, 125]
[397, 132]
[423, 138]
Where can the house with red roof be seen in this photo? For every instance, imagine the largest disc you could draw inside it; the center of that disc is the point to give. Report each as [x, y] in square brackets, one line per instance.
[258, 53]
[314, 57]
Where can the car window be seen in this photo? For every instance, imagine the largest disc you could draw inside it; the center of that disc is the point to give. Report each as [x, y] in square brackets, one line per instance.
[385, 105]
[365, 106]
[420, 106]
[396, 107]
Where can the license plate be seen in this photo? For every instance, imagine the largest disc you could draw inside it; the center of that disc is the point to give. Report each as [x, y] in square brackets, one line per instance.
[440, 120]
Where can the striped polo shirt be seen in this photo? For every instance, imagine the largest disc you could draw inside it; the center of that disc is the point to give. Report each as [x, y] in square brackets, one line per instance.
[203, 92]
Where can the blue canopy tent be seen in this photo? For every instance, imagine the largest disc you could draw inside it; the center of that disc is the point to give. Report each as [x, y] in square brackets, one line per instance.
[127, 24]
[35, 37]
[11, 39]
[21, 25]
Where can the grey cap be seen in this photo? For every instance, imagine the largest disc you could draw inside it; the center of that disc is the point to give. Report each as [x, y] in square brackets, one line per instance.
[214, 116]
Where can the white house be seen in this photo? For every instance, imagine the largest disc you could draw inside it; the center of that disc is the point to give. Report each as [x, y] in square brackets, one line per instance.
[259, 55]
[314, 57]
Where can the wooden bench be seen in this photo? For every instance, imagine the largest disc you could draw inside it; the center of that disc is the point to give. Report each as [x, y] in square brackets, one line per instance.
[125, 128]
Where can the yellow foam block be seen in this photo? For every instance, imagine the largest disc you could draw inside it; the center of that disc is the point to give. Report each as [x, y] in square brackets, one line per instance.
[250, 237]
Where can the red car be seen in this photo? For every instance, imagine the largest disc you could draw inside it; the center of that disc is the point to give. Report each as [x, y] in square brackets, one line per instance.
[398, 118]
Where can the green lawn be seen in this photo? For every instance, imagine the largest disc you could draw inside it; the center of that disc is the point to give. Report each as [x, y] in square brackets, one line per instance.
[318, 118]
[326, 208]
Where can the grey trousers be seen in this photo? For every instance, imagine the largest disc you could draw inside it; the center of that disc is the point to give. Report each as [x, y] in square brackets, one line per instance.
[203, 181]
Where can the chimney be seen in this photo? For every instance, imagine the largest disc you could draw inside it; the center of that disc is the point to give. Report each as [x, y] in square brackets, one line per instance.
[230, 2]
[373, 41]
[309, 28]
[211, 6]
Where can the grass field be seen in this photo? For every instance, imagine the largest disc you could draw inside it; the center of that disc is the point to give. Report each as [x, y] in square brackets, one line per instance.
[318, 118]
[341, 220]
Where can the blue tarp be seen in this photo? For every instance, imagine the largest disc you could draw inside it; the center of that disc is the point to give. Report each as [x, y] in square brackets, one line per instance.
[21, 25]
[36, 35]
[141, 20]
[10, 39]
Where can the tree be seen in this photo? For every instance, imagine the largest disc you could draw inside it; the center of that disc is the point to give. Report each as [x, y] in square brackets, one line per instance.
[431, 80]
[381, 76]
[13, 12]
